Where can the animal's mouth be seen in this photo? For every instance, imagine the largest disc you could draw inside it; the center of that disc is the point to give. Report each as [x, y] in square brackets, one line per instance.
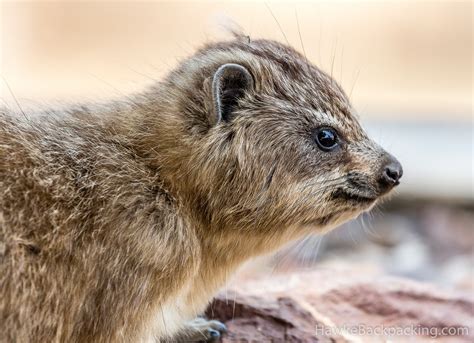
[353, 196]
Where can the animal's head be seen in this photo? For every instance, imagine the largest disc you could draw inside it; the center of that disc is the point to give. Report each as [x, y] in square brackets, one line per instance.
[266, 139]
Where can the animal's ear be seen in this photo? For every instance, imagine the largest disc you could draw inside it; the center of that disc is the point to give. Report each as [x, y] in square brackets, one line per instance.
[229, 84]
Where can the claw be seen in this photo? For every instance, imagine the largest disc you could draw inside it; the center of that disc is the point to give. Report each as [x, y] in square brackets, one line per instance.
[217, 325]
[214, 333]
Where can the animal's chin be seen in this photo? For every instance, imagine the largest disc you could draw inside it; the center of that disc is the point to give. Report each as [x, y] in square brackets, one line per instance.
[350, 204]
[356, 198]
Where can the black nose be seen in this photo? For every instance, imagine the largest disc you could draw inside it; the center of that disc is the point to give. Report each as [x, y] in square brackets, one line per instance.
[391, 174]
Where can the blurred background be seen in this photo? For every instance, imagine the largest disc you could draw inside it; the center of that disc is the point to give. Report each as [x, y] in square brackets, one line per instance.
[407, 66]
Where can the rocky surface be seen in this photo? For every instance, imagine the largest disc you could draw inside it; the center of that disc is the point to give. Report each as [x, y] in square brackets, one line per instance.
[404, 275]
[342, 306]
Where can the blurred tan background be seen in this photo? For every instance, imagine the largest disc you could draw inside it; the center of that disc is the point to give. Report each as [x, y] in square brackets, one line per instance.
[404, 58]
[407, 66]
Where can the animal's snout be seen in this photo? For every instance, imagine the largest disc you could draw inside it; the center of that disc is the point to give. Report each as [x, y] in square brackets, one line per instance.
[391, 174]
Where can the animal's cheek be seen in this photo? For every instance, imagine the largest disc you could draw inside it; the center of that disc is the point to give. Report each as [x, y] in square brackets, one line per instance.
[362, 158]
[360, 165]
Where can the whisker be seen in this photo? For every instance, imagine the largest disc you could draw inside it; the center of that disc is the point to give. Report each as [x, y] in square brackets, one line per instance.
[278, 23]
[333, 59]
[312, 183]
[314, 256]
[333, 107]
[119, 92]
[317, 181]
[368, 224]
[322, 190]
[342, 59]
[320, 39]
[353, 84]
[325, 187]
[301, 38]
[351, 234]
[305, 252]
[233, 306]
[301, 250]
[283, 256]
[143, 74]
[330, 183]
[14, 97]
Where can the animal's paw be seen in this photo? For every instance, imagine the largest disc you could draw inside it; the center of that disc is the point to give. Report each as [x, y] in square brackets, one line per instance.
[202, 330]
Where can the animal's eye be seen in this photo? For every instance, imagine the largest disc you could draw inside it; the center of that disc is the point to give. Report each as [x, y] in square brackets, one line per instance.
[326, 138]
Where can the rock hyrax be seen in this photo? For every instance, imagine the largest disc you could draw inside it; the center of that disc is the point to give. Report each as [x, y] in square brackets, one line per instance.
[119, 225]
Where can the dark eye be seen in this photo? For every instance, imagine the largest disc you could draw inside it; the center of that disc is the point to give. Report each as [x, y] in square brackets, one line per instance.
[326, 138]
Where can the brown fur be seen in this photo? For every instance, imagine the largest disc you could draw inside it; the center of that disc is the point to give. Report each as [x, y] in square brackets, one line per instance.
[111, 220]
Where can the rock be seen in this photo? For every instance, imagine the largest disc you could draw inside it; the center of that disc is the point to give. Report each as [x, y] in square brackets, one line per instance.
[342, 306]
[266, 319]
